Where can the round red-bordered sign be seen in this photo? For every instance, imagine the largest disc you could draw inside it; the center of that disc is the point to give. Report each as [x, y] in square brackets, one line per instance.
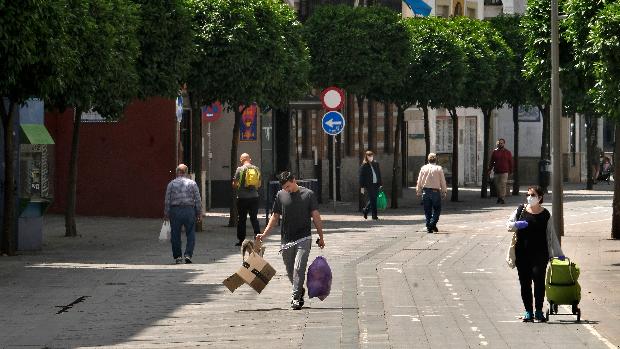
[212, 112]
[332, 98]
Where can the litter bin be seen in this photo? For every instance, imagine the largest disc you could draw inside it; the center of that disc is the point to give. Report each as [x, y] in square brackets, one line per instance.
[544, 174]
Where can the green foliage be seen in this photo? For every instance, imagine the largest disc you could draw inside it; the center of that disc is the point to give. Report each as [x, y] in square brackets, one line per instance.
[364, 50]
[520, 90]
[437, 64]
[247, 51]
[165, 35]
[536, 25]
[481, 75]
[33, 59]
[104, 40]
[605, 40]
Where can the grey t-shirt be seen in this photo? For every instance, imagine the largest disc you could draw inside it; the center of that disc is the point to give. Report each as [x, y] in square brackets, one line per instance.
[296, 212]
[243, 192]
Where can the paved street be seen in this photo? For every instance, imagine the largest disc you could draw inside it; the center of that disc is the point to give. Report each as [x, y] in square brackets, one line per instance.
[395, 286]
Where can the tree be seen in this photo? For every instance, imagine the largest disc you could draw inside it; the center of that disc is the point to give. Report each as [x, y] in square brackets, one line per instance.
[537, 62]
[480, 79]
[436, 71]
[105, 80]
[604, 43]
[580, 18]
[521, 89]
[263, 39]
[165, 35]
[502, 61]
[33, 63]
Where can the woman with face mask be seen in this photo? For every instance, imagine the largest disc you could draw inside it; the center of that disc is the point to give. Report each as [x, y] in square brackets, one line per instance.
[536, 242]
[370, 183]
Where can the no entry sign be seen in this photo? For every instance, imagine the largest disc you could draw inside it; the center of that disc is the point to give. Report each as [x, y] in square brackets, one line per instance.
[332, 98]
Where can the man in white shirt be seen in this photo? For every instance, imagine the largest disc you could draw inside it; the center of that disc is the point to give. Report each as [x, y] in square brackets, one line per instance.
[432, 187]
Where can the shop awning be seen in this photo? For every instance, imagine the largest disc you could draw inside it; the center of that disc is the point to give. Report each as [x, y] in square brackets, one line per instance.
[419, 7]
[36, 134]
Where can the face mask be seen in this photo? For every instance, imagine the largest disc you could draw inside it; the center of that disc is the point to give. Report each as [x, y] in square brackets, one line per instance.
[533, 201]
[370, 158]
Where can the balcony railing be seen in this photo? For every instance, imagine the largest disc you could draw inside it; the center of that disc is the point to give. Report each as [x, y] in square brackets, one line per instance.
[493, 2]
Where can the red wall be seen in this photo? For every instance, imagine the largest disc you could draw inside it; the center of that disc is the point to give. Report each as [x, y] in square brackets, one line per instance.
[123, 167]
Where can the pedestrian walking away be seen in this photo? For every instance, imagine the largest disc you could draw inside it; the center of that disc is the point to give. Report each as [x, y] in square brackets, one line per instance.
[182, 206]
[432, 187]
[370, 183]
[501, 165]
[246, 182]
[297, 206]
[536, 242]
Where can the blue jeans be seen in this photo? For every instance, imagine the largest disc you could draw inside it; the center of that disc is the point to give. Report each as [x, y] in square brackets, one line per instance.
[182, 216]
[431, 199]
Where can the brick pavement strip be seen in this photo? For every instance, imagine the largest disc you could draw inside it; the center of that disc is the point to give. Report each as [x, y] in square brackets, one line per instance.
[393, 287]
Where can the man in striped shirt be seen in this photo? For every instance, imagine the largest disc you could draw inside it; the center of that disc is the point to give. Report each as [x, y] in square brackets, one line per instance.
[432, 187]
[183, 208]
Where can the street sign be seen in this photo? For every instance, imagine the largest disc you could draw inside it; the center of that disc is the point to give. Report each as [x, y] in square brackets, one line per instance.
[333, 123]
[211, 112]
[332, 98]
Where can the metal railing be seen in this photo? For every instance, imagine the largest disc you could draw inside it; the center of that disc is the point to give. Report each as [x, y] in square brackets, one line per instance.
[493, 2]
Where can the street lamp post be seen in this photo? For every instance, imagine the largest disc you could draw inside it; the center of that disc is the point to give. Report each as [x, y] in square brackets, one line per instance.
[556, 112]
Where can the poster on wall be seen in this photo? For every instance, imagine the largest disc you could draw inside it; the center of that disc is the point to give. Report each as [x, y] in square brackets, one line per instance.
[247, 129]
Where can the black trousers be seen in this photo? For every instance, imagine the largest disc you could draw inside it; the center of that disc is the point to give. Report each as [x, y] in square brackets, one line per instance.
[245, 206]
[371, 206]
[532, 270]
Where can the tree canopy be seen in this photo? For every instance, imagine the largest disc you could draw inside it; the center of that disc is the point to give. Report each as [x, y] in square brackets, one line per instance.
[165, 35]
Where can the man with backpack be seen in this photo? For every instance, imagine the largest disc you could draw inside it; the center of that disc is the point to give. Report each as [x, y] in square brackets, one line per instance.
[247, 181]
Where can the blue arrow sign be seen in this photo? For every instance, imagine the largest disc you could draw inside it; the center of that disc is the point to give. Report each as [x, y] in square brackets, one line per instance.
[333, 123]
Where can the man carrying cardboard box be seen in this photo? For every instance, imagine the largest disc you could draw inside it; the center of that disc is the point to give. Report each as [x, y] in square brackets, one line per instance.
[297, 206]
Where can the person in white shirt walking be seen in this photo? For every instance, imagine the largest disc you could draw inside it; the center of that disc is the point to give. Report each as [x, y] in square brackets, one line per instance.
[432, 187]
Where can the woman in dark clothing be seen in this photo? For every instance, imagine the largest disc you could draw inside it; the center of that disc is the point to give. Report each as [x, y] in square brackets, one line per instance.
[536, 242]
[370, 182]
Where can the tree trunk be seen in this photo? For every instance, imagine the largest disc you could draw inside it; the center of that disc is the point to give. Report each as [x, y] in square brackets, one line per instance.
[590, 150]
[360, 141]
[615, 215]
[427, 133]
[515, 159]
[197, 150]
[8, 244]
[485, 157]
[387, 128]
[455, 155]
[70, 228]
[545, 149]
[372, 126]
[232, 220]
[360, 127]
[395, 167]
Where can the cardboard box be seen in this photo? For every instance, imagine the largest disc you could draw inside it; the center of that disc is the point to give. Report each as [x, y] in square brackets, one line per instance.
[254, 271]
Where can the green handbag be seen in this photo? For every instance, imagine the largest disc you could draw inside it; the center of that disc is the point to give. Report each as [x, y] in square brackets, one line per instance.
[381, 200]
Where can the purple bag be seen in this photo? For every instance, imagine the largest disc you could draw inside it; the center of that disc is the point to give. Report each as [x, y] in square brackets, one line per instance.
[319, 278]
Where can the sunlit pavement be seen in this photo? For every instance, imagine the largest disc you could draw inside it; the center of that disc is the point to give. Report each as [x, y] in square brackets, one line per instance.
[394, 285]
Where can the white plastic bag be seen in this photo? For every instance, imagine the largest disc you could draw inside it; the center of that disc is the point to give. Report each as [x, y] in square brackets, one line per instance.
[511, 255]
[164, 234]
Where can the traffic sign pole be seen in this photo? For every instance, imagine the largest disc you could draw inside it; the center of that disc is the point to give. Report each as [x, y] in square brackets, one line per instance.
[334, 171]
[333, 123]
